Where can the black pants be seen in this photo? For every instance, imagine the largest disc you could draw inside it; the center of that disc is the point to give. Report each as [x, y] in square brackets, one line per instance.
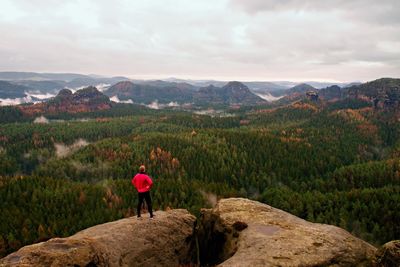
[145, 196]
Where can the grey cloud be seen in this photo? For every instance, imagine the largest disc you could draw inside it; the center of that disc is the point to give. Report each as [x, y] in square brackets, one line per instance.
[204, 39]
[367, 11]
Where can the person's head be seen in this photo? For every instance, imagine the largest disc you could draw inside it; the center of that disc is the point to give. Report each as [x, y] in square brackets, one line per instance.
[142, 169]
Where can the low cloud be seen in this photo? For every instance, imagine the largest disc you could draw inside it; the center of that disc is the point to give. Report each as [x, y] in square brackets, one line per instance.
[83, 119]
[269, 97]
[156, 105]
[101, 87]
[211, 198]
[15, 101]
[41, 119]
[173, 104]
[63, 150]
[31, 97]
[117, 100]
[39, 95]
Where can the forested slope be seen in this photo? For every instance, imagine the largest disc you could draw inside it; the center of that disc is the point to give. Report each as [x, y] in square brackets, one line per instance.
[337, 165]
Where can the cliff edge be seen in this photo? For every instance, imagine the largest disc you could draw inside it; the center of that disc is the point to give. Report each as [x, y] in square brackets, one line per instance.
[254, 234]
[237, 232]
[126, 242]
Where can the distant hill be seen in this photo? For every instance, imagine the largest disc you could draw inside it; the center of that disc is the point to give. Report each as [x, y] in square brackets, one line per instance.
[144, 93]
[9, 90]
[90, 81]
[384, 87]
[84, 100]
[83, 81]
[300, 89]
[263, 86]
[161, 83]
[333, 92]
[42, 86]
[297, 92]
[165, 92]
[53, 82]
[381, 93]
[232, 93]
[384, 92]
[13, 76]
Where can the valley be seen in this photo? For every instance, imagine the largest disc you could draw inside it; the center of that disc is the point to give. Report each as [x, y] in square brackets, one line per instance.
[66, 163]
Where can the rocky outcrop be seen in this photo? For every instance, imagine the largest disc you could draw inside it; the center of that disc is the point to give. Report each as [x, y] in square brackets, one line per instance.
[388, 255]
[163, 241]
[85, 100]
[255, 234]
[237, 232]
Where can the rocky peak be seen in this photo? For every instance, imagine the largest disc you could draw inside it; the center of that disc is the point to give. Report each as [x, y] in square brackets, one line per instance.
[209, 88]
[90, 91]
[236, 86]
[301, 88]
[232, 93]
[64, 92]
[84, 100]
[86, 95]
[122, 86]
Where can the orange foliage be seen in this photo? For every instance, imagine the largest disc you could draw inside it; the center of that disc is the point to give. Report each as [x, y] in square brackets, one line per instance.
[103, 119]
[37, 141]
[244, 122]
[111, 199]
[41, 108]
[164, 159]
[82, 197]
[291, 139]
[350, 115]
[266, 110]
[368, 129]
[304, 106]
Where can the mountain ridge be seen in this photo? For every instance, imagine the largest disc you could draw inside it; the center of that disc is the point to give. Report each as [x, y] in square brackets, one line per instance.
[9, 90]
[232, 93]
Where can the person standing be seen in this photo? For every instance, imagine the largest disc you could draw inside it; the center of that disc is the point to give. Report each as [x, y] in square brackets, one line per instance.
[143, 184]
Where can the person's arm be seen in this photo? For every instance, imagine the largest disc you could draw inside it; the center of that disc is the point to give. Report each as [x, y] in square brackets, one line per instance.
[133, 181]
[149, 182]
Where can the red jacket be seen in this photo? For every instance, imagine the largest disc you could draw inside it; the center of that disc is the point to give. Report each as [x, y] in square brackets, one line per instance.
[142, 182]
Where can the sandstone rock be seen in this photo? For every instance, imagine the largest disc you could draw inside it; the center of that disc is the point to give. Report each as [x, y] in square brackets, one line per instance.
[276, 238]
[388, 255]
[237, 232]
[163, 241]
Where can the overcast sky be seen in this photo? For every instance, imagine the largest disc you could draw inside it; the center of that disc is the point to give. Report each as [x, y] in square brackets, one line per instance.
[337, 40]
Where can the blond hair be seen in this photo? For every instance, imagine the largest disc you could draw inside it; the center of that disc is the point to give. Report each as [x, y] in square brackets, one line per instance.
[142, 168]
